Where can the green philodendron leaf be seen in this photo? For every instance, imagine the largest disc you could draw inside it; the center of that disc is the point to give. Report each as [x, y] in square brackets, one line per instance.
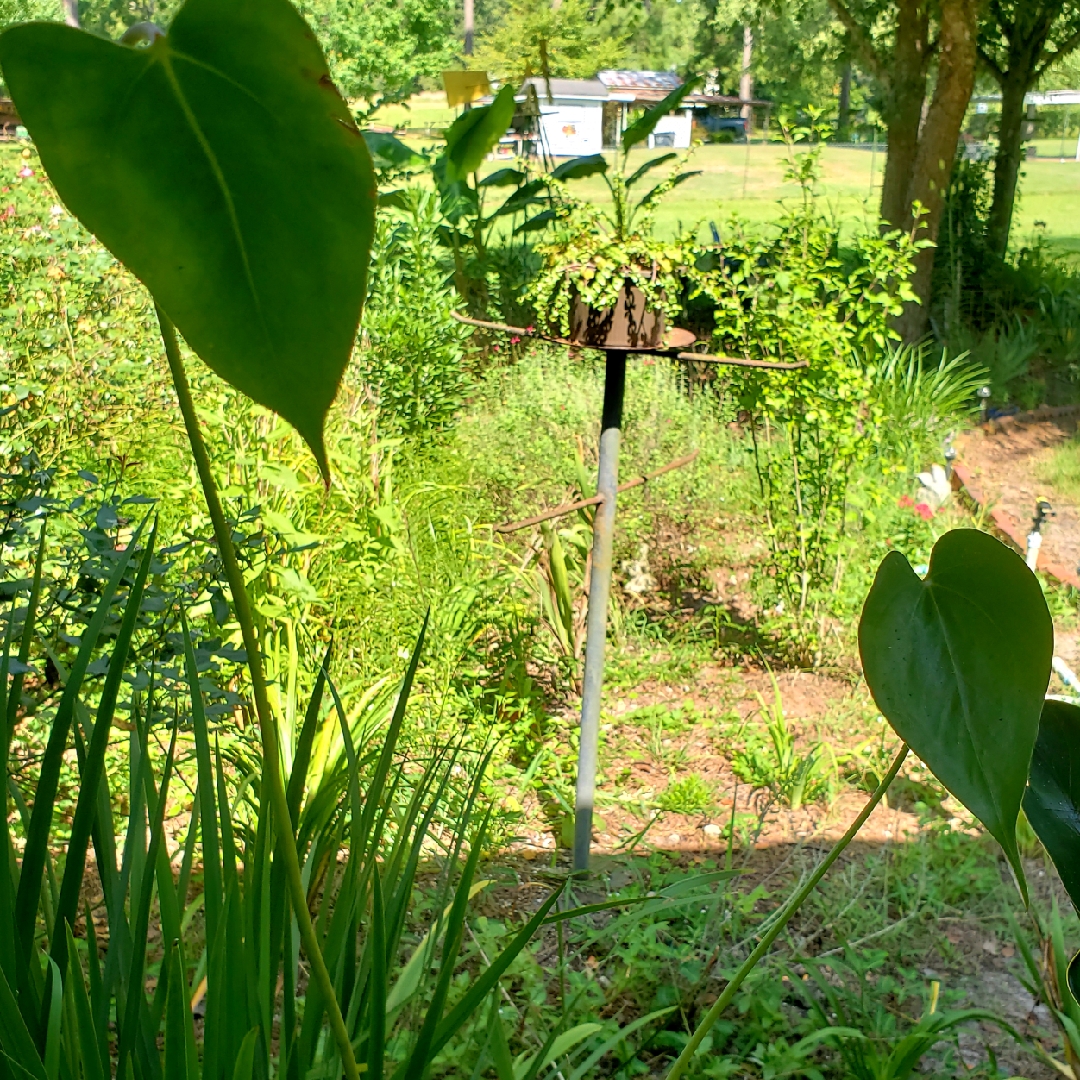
[388, 151]
[470, 138]
[502, 178]
[222, 167]
[580, 167]
[1052, 798]
[958, 663]
[645, 125]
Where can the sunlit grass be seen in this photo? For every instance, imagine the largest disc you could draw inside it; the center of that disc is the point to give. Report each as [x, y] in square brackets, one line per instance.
[1062, 470]
[749, 181]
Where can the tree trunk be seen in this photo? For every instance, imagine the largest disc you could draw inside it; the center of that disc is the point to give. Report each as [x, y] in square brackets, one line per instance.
[843, 110]
[71, 12]
[470, 23]
[1014, 86]
[937, 147]
[746, 78]
[905, 91]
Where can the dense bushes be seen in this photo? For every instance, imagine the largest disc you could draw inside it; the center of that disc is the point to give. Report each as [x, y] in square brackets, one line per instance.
[1015, 316]
[412, 356]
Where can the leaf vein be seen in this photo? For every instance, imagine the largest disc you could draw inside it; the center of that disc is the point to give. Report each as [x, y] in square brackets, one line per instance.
[226, 194]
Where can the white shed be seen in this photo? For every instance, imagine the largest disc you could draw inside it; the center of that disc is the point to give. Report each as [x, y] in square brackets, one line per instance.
[675, 129]
[642, 89]
[571, 114]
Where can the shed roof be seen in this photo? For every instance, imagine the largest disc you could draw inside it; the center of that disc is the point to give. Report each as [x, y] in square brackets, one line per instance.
[665, 81]
[644, 87]
[565, 88]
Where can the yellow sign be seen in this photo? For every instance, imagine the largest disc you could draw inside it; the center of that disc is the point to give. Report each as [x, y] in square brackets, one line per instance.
[465, 87]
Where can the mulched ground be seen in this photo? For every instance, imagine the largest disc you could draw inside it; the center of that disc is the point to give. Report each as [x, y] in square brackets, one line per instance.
[1008, 462]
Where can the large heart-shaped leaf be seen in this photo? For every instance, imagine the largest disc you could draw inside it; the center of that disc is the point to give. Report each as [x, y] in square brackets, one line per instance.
[471, 137]
[222, 167]
[1052, 799]
[958, 663]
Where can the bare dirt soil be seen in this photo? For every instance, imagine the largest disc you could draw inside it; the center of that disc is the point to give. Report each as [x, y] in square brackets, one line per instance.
[1008, 462]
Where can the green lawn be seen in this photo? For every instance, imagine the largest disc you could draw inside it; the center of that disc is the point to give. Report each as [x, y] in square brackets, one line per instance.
[424, 110]
[749, 181]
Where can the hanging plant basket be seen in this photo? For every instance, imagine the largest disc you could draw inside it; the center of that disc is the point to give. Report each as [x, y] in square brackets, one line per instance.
[630, 324]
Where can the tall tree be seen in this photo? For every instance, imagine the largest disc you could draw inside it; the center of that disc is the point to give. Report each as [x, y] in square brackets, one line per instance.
[746, 75]
[796, 48]
[379, 50]
[843, 104]
[1018, 41]
[574, 40]
[898, 57]
[894, 41]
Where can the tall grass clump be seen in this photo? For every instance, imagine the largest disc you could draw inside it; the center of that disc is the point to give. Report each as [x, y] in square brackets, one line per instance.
[86, 995]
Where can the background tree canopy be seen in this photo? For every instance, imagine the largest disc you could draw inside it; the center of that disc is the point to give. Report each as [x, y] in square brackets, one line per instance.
[383, 49]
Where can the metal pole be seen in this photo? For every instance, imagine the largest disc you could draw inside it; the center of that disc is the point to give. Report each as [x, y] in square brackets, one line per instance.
[599, 592]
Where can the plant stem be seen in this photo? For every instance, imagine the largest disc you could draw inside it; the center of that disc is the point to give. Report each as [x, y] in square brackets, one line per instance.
[793, 905]
[267, 728]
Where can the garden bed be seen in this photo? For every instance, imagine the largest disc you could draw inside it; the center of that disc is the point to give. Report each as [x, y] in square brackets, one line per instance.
[1013, 467]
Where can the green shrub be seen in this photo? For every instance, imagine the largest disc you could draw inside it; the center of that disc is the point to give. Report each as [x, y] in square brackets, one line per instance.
[787, 294]
[412, 354]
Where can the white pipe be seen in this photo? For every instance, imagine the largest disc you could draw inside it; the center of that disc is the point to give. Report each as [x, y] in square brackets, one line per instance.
[1034, 542]
[1065, 673]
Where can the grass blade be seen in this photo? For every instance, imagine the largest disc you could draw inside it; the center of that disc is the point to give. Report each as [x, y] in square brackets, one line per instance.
[500, 1047]
[89, 1053]
[280, 943]
[99, 1001]
[584, 1070]
[377, 996]
[207, 784]
[177, 1020]
[93, 768]
[421, 1056]
[136, 993]
[213, 889]
[15, 1039]
[483, 986]
[54, 1000]
[386, 758]
[7, 883]
[37, 836]
[245, 1059]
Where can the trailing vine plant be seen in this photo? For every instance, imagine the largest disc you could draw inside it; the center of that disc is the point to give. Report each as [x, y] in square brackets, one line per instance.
[594, 252]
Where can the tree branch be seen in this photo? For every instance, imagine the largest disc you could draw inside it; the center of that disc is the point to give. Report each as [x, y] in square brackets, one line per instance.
[991, 65]
[861, 40]
[1070, 44]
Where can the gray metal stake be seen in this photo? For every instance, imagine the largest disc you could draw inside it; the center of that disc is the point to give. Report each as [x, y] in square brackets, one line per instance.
[599, 593]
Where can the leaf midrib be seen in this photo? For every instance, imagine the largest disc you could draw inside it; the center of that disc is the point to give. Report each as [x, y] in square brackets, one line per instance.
[166, 59]
[931, 590]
